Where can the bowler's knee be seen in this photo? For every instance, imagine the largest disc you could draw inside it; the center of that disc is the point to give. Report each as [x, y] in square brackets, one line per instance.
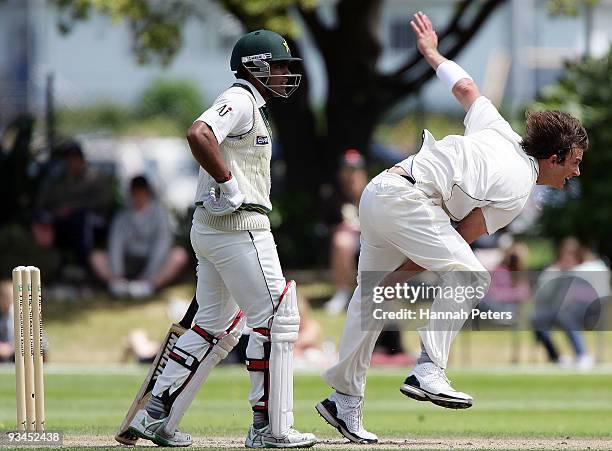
[482, 280]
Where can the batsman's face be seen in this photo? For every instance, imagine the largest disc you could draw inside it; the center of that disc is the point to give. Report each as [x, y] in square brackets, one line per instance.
[278, 80]
[569, 169]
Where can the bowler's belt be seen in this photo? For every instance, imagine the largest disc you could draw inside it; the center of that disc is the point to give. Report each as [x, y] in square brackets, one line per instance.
[409, 178]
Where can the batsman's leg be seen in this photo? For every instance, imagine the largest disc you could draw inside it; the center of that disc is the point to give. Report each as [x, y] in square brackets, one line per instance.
[192, 359]
[218, 326]
[249, 265]
[272, 378]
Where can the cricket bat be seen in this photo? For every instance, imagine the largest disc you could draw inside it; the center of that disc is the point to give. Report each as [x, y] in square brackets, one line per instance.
[123, 436]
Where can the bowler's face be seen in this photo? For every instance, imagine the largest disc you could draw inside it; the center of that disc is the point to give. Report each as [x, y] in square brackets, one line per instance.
[569, 169]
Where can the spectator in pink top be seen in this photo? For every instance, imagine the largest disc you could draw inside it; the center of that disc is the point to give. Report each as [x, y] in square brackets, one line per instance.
[508, 283]
[509, 289]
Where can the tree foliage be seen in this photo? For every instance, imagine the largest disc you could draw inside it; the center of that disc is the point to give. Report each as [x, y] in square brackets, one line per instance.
[585, 90]
[165, 108]
[569, 7]
[156, 25]
[180, 100]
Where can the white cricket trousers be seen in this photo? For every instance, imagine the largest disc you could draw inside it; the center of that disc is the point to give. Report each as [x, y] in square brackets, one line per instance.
[236, 270]
[399, 221]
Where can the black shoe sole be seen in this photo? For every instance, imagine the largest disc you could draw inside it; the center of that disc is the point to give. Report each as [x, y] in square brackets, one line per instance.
[139, 435]
[422, 395]
[331, 419]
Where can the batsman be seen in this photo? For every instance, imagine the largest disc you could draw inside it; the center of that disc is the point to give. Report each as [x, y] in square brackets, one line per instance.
[239, 276]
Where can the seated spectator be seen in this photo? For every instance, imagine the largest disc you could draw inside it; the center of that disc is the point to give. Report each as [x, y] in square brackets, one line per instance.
[79, 199]
[44, 253]
[140, 347]
[7, 347]
[561, 301]
[141, 257]
[310, 350]
[343, 217]
[509, 286]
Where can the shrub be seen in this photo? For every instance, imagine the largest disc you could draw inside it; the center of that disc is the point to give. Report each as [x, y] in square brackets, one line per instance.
[179, 100]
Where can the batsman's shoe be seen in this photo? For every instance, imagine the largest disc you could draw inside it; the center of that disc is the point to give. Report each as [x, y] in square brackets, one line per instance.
[262, 438]
[146, 427]
[428, 382]
[345, 413]
[177, 438]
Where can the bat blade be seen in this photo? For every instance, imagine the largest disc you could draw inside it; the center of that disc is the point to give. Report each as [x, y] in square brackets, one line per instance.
[123, 436]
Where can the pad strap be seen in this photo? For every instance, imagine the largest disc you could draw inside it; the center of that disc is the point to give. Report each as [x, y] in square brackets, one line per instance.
[210, 338]
[183, 358]
[262, 331]
[263, 366]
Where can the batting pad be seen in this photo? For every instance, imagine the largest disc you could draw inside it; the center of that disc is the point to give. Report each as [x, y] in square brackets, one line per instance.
[283, 334]
[217, 352]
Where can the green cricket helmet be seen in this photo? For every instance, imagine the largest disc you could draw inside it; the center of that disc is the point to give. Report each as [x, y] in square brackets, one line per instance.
[255, 51]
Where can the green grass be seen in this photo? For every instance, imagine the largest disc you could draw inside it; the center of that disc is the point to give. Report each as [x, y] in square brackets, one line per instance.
[94, 330]
[507, 405]
[510, 403]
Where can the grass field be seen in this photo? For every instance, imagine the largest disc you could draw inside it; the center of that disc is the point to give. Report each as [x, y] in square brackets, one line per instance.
[530, 406]
[517, 404]
[93, 331]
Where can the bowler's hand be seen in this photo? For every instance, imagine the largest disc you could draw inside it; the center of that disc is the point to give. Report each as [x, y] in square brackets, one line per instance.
[227, 199]
[427, 39]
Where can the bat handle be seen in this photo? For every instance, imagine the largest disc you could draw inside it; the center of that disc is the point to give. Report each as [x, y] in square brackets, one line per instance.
[189, 314]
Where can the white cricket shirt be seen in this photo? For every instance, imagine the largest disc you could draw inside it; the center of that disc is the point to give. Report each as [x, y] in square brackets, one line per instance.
[231, 115]
[486, 168]
[245, 144]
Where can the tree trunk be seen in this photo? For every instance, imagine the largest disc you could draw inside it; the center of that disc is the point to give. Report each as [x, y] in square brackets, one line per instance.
[298, 140]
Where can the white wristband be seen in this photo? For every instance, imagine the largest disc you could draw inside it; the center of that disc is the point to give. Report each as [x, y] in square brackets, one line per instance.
[230, 187]
[450, 73]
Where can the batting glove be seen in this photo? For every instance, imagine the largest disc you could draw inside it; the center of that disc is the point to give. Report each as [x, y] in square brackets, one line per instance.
[224, 199]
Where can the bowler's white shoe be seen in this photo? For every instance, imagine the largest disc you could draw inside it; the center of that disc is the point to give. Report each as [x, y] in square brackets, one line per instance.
[345, 413]
[147, 427]
[263, 438]
[428, 382]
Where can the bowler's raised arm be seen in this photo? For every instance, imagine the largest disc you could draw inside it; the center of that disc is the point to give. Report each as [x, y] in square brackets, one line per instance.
[450, 73]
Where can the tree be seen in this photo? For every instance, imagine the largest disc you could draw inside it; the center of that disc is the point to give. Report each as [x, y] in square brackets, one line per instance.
[585, 90]
[359, 93]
